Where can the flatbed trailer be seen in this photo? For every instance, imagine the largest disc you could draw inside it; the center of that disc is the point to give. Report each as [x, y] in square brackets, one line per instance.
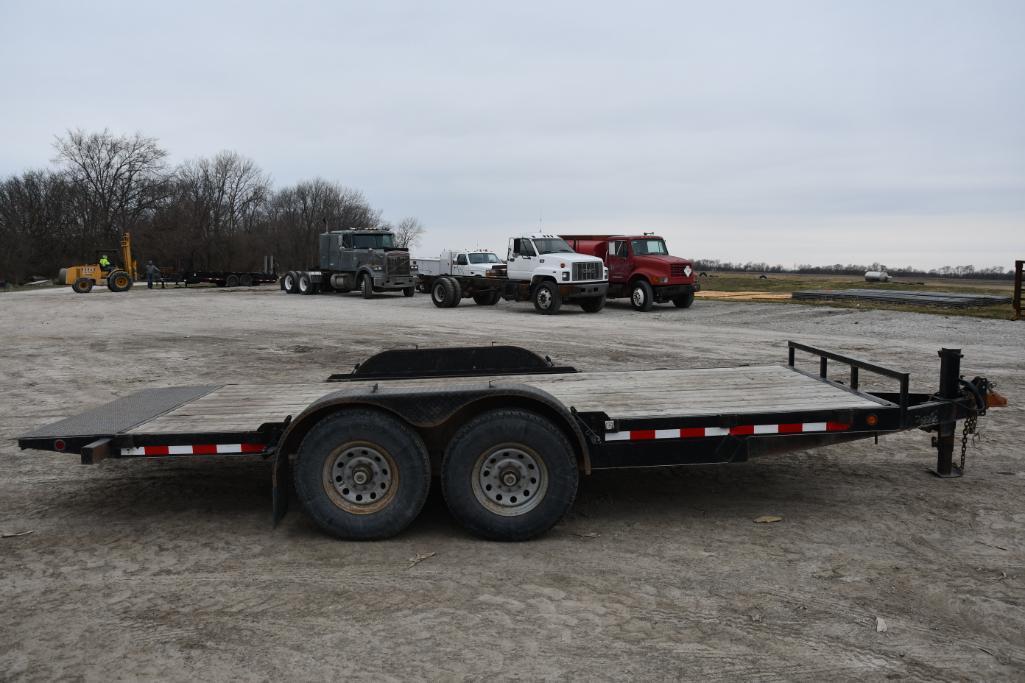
[508, 432]
[224, 278]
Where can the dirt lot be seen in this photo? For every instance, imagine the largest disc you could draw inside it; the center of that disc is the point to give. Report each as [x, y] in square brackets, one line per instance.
[170, 568]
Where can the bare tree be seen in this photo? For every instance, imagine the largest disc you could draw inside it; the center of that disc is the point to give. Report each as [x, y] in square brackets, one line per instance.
[37, 226]
[408, 232]
[223, 198]
[119, 178]
[301, 212]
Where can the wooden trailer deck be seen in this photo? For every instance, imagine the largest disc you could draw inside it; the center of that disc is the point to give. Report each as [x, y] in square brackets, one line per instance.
[620, 394]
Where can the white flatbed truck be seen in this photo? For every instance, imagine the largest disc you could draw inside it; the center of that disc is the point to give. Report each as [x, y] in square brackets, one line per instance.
[508, 432]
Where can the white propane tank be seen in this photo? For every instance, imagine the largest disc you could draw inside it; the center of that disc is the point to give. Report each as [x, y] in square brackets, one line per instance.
[877, 276]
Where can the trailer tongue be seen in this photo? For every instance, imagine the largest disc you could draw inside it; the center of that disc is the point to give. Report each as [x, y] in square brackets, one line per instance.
[508, 432]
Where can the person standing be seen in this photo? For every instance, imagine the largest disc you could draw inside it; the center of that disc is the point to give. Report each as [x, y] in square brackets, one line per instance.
[152, 272]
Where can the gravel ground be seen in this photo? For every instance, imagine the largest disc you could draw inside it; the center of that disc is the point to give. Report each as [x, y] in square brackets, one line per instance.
[170, 568]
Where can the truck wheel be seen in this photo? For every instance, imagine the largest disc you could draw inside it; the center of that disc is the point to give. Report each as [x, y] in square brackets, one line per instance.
[82, 285]
[366, 286]
[593, 304]
[292, 282]
[246, 280]
[547, 299]
[509, 475]
[232, 280]
[362, 475]
[440, 293]
[486, 298]
[684, 301]
[305, 285]
[642, 297]
[408, 291]
[119, 281]
[457, 292]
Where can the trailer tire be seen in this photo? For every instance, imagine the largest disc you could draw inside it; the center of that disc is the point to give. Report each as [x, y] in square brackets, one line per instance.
[82, 285]
[362, 475]
[119, 281]
[366, 286]
[547, 300]
[593, 304]
[509, 475]
[246, 280]
[232, 280]
[684, 300]
[642, 296]
[305, 284]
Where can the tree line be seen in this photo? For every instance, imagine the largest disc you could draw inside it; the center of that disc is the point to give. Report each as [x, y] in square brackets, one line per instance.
[216, 213]
[965, 272]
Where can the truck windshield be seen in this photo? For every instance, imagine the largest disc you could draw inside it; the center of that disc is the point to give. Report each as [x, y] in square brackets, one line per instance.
[483, 258]
[384, 240]
[652, 247]
[552, 245]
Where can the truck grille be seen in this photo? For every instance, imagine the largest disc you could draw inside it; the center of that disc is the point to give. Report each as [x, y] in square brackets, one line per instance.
[397, 263]
[676, 270]
[587, 271]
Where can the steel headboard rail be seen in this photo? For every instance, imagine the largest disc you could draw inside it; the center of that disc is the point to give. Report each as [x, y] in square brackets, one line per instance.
[824, 356]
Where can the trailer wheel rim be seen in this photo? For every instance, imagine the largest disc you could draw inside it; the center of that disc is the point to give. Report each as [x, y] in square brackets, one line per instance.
[509, 479]
[360, 477]
[638, 296]
[288, 282]
[544, 298]
[304, 285]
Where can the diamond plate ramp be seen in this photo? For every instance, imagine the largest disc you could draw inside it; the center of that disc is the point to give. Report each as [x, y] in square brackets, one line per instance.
[121, 415]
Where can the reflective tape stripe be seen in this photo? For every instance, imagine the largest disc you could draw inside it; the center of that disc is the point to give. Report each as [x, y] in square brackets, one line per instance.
[739, 430]
[196, 449]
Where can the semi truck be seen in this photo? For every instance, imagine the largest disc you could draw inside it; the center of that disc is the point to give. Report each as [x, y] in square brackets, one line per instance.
[539, 268]
[365, 260]
[508, 432]
[641, 268]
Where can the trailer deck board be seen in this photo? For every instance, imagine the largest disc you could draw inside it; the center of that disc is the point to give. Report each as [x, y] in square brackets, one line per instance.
[122, 414]
[620, 394]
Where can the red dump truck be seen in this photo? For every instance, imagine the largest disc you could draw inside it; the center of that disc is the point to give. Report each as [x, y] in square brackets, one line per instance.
[641, 268]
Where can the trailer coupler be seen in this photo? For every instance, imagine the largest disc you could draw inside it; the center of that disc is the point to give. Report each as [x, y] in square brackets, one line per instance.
[968, 400]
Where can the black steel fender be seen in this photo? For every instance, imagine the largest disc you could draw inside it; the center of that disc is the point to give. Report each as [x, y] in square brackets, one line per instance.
[435, 414]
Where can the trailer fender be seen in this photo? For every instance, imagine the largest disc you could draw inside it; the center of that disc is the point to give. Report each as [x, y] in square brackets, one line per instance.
[436, 415]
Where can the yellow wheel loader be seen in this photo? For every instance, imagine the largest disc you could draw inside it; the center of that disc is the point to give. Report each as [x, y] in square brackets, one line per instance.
[83, 278]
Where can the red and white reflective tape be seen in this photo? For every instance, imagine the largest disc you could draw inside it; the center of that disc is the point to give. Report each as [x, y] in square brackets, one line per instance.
[197, 449]
[740, 430]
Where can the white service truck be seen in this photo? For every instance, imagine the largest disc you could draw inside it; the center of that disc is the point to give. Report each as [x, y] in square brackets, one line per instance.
[539, 268]
[474, 262]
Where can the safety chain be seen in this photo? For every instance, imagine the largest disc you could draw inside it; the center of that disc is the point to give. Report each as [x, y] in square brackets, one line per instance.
[969, 428]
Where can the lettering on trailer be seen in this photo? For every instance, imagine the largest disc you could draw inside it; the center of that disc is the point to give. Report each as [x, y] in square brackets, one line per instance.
[197, 449]
[740, 430]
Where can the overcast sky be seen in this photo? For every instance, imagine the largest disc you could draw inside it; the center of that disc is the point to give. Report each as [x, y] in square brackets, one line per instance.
[816, 131]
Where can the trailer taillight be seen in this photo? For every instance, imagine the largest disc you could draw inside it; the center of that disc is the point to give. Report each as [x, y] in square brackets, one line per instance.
[871, 420]
[59, 445]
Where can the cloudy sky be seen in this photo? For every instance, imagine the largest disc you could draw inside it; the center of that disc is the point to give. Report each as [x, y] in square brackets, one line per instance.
[774, 130]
